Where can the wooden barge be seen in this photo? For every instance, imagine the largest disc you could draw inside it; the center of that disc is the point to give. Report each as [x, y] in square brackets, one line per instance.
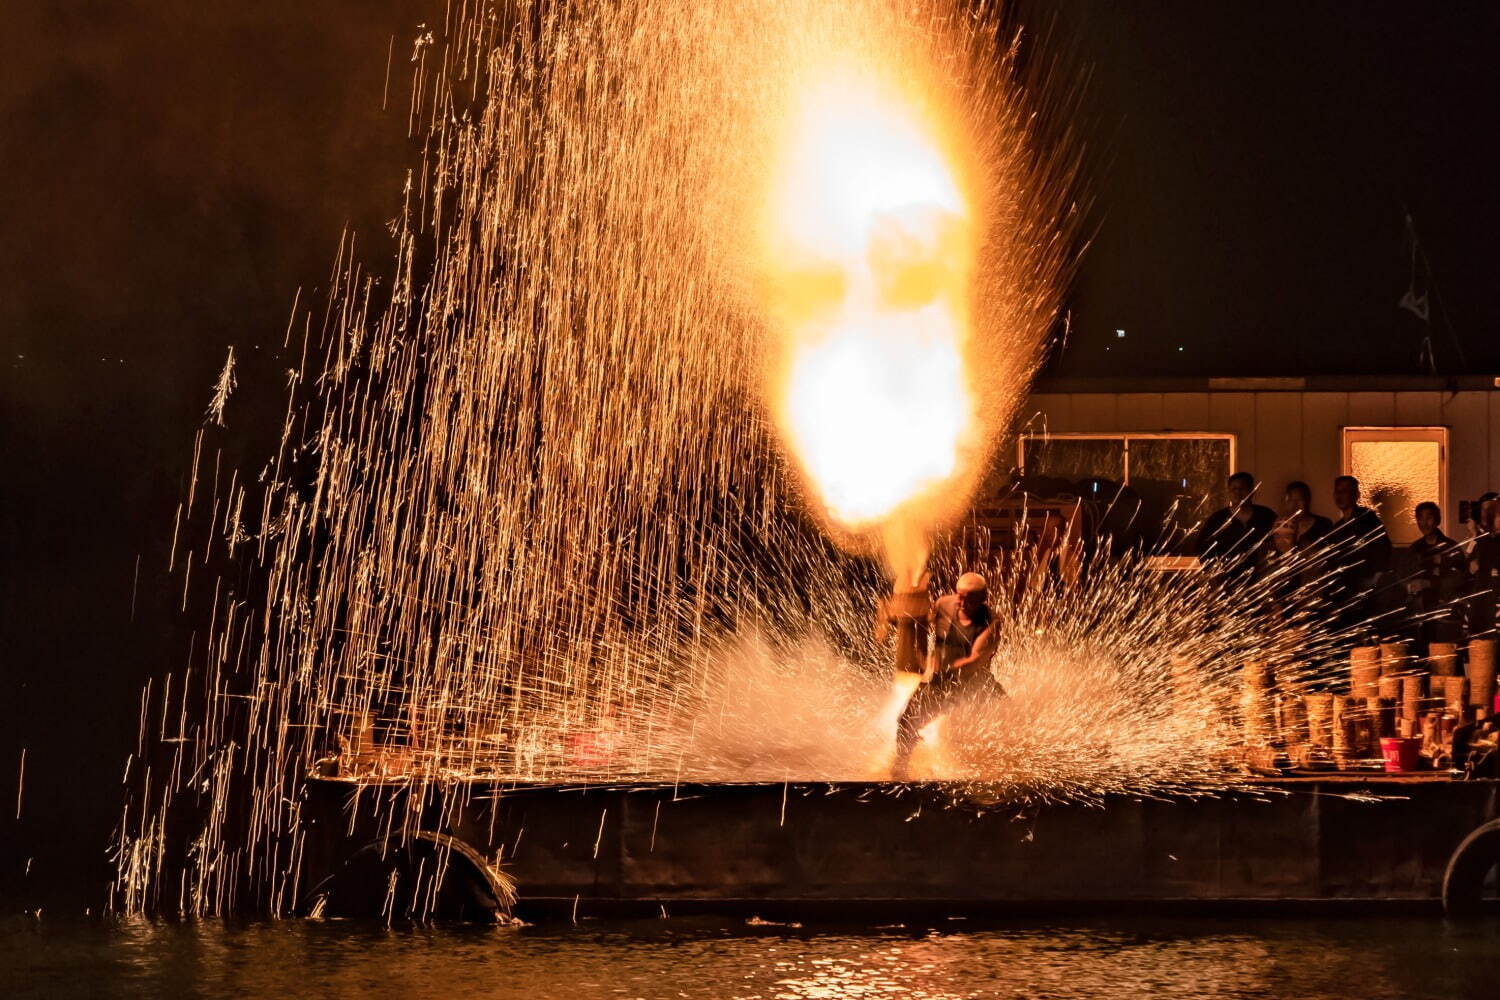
[876, 851]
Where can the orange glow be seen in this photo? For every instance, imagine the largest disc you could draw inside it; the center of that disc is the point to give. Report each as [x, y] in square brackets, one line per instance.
[1395, 476]
[870, 252]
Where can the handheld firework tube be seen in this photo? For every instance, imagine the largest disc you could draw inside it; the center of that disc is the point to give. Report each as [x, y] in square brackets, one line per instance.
[906, 612]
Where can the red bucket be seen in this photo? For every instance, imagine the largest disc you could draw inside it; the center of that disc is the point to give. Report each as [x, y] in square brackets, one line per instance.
[1400, 752]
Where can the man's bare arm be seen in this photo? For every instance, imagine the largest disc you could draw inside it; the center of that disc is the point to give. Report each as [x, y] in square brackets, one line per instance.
[984, 649]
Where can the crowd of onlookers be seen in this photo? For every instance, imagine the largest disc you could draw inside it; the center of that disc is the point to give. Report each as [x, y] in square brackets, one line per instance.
[1437, 589]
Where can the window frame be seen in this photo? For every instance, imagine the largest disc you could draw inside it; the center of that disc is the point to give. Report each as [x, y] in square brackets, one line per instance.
[1124, 437]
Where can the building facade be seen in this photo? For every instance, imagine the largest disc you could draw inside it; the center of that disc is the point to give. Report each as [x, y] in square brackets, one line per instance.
[1408, 439]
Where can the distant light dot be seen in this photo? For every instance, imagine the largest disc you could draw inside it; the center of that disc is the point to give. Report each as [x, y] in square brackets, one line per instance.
[1120, 334]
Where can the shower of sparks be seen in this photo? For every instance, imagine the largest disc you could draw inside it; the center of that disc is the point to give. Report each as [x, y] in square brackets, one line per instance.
[222, 388]
[869, 241]
[530, 517]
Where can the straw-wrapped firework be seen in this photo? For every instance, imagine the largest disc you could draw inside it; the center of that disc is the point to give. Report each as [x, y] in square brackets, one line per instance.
[1319, 719]
[1481, 671]
[1442, 659]
[1413, 690]
[1364, 672]
[1395, 658]
[1455, 695]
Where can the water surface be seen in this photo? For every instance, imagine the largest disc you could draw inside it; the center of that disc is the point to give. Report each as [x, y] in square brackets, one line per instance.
[1284, 959]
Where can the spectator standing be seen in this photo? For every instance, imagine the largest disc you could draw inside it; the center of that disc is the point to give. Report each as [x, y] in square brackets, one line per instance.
[1437, 577]
[1299, 528]
[1234, 534]
[1484, 575]
[1482, 514]
[1298, 532]
[1363, 557]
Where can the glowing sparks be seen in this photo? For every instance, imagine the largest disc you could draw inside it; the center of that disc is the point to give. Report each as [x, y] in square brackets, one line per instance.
[222, 388]
[527, 519]
[869, 248]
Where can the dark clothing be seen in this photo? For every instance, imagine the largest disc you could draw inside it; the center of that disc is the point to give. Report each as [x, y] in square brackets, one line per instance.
[1438, 562]
[1362, 558]
[1486, 557]
[1292, 546]
[948, 689]
[1368, 546]
[954, 641]
[1484, 585]
[1312, 532]
[1238, 543]
[944, 693]
[1437, 573]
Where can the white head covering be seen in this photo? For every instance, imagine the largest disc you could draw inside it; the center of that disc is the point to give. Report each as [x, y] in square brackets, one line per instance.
[970, 582]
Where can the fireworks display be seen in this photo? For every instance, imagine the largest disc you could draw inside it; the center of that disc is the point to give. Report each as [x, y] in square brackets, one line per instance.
[705, 316]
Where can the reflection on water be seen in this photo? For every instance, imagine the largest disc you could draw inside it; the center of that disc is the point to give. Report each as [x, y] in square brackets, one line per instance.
[715, 959]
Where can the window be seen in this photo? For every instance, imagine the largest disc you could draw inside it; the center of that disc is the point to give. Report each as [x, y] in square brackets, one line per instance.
[1398, 468]
[1074, 458]
[1181, 472]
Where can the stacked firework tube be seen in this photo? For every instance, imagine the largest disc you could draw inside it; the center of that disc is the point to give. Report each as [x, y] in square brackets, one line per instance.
[1399, 709]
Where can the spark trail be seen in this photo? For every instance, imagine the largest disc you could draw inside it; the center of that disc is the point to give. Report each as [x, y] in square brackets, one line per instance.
[530, 516]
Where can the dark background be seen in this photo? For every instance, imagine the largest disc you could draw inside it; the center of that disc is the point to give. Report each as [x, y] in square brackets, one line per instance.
[175, 171]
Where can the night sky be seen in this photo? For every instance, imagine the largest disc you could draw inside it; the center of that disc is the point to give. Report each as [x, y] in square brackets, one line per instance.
[1252, 166]
[176, 169]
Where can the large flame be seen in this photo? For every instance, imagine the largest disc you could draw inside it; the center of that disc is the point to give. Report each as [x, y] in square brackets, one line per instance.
[871, 255]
